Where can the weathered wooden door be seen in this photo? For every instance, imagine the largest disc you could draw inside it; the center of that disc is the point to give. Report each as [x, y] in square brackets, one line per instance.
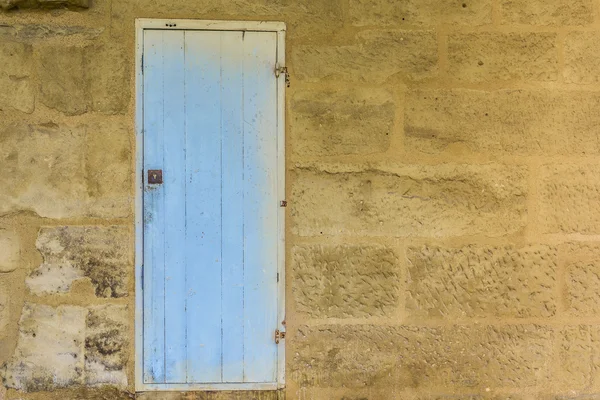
[211, 208]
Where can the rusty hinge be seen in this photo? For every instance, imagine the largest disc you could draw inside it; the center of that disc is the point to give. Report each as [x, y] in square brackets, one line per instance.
[279, 335]
[283, 203]
[283, 70]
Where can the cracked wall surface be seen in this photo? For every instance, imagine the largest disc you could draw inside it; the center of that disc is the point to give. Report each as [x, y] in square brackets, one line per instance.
[443, 188]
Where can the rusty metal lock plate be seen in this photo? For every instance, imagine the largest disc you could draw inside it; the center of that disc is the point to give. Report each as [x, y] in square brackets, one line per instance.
[155, 176]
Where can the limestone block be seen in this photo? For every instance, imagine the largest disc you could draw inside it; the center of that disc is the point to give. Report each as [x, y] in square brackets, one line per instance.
[547, 12]
[583, 288]
[485, 56]
[107, 71]
[481, 281]
[406, 200]
[354, 121]
[100, 254]
[395, 357]
[106, 345]
[582, 57]
[375, 57]
[57, 171]
[345, 281]
[4, 307]
[304, 19]
[10, 251]
[30, 32]
[522, 122]
[420, 13]
[63, 82]
[24, 4]
[16, 70]
[49, 349]
[570, 198]
[579, 355]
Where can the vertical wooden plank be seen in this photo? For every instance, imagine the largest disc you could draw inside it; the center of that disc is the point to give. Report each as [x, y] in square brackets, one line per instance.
[233, 206]
[154, 295]
[260, 207]
[203, 202]
[175, 210]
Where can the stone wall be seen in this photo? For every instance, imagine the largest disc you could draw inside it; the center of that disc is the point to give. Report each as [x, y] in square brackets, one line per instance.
[443, 230]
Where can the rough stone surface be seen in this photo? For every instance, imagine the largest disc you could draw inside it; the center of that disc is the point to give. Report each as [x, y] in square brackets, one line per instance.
[356, 121]
[33, 32]
[49, 351]
[58, 171]
[481, 281]
[100, 254]
[420, 13]
[503, 56]
[579, 355]
[582, 57]
[108, 73]
[409, 356]
[16, 70]
[523, 122]
[10, 250]
[345, 281]
[4, 307]
[106, 345]
[569, 196]
[409, 200]
[61, 70]
[547, 12]
[583, 288]
[304, 19]
[79, 79]
[24, 4]
[376, 56]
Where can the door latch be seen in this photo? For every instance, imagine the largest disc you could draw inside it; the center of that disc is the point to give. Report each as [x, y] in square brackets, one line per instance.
[155, 176]
[279, 335]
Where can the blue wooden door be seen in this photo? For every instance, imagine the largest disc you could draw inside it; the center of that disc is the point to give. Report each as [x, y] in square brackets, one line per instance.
[210, 281]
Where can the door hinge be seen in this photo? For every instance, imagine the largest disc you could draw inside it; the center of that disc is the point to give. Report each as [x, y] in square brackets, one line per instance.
[142, 64]
[279, 335]
[283, 203]
[283, 70]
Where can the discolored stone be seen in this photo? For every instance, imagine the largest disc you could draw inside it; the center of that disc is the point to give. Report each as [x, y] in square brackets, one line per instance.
[482, 281]
[25, 4]
[487, 56]
[16, 70]
[357, 356]
[5, 292]
[353, 121]
[106, 345]
[582, 57]
[70, 253]
[376, 56]
[569, 198]
[523, 122]
[547, 12]
[420, 12]
[62, 171]
[406, 200]
[345, 281]
[10, 250]
[48, 353]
